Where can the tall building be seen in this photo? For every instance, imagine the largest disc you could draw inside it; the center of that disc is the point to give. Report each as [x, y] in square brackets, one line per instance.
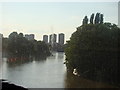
[29, 36]
[119, 14]
[1, 36]
[61, 39]
[50, 39]
[53, 42]
[1, 53]
[45, 38]
[54, 38]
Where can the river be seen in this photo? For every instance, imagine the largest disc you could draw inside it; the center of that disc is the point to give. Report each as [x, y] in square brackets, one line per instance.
[46, 73]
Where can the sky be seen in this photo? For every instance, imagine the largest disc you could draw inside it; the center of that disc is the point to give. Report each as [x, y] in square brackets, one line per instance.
[45, 18]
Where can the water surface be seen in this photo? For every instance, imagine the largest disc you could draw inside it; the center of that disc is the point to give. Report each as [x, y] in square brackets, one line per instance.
[45, 73]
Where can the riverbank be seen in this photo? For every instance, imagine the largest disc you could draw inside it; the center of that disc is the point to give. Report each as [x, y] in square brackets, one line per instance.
[81, 82]
[7, 85]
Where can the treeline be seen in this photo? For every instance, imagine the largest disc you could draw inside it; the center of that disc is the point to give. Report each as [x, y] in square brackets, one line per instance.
[93, 50]
[98, 19]
[16, 45]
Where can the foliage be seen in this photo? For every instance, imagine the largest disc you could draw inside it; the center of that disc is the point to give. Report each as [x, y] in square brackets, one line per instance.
[85, 20]
[91, 18]
[18, 46]
[101, 18]
[98, 19]
[95, 48]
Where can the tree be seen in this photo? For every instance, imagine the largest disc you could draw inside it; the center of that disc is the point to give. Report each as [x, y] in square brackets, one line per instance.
[91, 18]
[85, 20]
[13, 35]
[97, 18]
[101, 18]
[12, 44]
[19, 46]
[20, 34]
[95, 48]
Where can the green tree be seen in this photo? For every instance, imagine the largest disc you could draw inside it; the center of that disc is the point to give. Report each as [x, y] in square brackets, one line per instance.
[101, 18]
[95, 48]
[85, 20]
[97, 18]
[91, 18]
[19, 46]
[12, 44]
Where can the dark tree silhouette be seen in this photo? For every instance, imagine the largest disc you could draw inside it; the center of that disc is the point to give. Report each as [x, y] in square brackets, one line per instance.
[93, 50]
[101, 18]
[85, 20]
[18, 46]
[91, 18]
[97, 18]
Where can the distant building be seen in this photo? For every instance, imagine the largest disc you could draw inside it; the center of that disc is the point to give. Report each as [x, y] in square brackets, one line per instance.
[119, 14]
[53, 42]
[50, 39]
[45, 38]
[1, 35]
[29, 36]
[54, 38]
[61, 39]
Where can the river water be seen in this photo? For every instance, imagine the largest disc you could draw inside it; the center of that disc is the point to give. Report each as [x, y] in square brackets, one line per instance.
[46, 73]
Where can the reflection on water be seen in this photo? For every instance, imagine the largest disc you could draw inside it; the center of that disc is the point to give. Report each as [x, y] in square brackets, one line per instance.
[11, 62]
[45, 73]
[60, 56]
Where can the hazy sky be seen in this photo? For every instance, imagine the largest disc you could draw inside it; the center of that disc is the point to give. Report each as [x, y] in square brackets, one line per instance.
[51, 17]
